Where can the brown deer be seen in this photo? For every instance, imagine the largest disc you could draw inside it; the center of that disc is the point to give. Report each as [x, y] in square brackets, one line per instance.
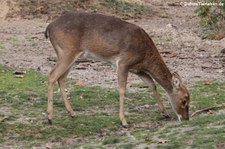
[120, 43]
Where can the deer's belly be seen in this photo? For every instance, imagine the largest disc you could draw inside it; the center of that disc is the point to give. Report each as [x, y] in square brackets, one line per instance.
[113, 60]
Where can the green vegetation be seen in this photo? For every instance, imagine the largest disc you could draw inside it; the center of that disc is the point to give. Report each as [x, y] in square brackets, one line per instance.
[37, 9]
[202, 132]
[124, 8]
[52, 58]
[23, 123]
[2, 46]
[111, 140]
[212, 15]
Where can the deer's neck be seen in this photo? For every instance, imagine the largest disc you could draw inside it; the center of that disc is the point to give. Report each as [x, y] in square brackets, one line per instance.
[159, 71]
[163, 77]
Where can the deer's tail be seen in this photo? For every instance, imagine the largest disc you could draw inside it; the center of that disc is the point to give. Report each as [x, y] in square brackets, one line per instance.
[47, 32]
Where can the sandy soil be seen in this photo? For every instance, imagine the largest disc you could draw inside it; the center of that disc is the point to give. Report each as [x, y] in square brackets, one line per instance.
[173, 29]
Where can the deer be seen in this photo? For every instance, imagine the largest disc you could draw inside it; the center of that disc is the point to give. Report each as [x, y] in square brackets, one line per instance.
[124, 45]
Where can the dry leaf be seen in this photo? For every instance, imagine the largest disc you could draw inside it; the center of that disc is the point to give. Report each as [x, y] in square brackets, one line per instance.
[169, 54]
[210, 112]
[19, 76]
[104, 132]
[147, 139]
[147, 106]
[207, 82]
[48, 146]
[68, 142]
[162, 141]
[40, 8]
[220, 146]
[80, 83]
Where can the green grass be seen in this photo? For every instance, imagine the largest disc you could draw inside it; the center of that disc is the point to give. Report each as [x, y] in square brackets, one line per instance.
[2, 46]
[111, 140]
[201, 132]
[207, 95]
[23, 123]
[124, 8]
[118, 7]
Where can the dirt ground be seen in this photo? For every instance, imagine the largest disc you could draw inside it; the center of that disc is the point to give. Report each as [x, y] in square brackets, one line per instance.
[174, 30]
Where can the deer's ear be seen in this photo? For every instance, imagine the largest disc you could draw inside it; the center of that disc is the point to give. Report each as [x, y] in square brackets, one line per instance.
[176, 81]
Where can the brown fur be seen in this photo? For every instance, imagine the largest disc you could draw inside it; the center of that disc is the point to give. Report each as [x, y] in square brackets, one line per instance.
[121, 43]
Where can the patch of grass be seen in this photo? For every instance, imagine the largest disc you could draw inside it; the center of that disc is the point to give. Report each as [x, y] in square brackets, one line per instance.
[33, 8]
[26, 102]
[65, 127]
[118, 7]
[211, 19]
[87, 97]
[52, 58]
[124, 8]
[202, 132]
[19, 91]
[78, 5]
[23, 103]
[210, 95]
[111, 140]
[126, 146]
[2, 46]
[139, 85]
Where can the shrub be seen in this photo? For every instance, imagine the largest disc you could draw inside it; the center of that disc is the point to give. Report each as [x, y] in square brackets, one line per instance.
[212, 13]
[212, 16]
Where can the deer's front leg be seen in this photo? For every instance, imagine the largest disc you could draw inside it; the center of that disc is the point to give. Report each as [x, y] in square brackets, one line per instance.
[149, 81]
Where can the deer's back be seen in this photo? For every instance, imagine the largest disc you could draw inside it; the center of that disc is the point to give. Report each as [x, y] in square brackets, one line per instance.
[105, 36]
[99, 28]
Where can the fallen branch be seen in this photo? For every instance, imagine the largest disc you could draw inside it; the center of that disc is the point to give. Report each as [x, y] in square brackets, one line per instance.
[206, 110]
[84, 60]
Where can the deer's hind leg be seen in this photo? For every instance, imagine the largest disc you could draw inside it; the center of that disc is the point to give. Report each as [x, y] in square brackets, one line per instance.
[65, 60]
[63, 93]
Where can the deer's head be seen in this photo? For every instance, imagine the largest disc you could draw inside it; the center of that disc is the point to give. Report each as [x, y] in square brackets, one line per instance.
[180, 98]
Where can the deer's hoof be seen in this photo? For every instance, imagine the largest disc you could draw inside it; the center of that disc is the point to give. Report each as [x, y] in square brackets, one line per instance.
[49, 121]
[124, 124]
[165, 115]
[73, 114]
